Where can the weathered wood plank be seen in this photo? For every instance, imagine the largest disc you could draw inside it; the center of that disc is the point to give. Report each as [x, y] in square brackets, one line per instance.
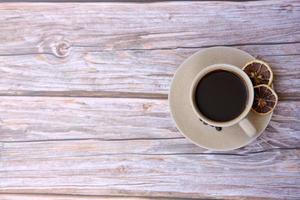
[158, 25]
[120, 121]
[135, 73]
[137, 51]
[26, 118]
[96, 168]
[104, 146]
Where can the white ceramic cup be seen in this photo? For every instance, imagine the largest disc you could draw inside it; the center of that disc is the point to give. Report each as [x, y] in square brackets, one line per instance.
[241, 120]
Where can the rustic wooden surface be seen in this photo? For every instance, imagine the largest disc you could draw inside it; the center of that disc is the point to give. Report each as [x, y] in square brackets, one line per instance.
[83, 101]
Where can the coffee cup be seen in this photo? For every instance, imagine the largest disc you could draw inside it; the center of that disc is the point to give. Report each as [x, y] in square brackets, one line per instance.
[221, 95]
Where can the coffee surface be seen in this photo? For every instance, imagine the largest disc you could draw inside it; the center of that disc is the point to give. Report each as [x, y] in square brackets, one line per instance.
[221, 95]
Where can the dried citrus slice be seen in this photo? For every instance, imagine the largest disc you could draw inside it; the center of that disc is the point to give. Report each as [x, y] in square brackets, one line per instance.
[265, 99]
[259, 72]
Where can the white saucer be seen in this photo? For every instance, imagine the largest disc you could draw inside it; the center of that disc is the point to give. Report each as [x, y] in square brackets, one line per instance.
[187, 122]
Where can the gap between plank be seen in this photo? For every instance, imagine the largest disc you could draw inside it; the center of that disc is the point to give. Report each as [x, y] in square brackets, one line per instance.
[84, 94]
[162, 48]
[97, 139]
[215, 153]
[95, 197]
[154, 154]
[109, 94]
[191, 47]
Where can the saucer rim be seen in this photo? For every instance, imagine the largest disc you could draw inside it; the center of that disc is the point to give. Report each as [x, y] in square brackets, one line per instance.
[172, 110]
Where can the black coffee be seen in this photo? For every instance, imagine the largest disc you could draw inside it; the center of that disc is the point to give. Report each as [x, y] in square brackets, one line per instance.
[221, 95]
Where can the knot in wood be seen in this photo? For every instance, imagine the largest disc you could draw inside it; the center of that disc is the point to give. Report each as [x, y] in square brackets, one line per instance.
[61, 49]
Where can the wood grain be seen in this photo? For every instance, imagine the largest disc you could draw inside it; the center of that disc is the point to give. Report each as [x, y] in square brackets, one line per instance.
[83, 101]
[103, 146]
[65, 170]
[89, 51]
[120, 120]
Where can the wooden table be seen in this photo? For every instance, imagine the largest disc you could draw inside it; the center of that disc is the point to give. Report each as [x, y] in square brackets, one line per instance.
[83, 100]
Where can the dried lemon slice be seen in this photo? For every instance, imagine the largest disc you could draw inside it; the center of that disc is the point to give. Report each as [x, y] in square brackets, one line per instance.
[265, 99]
[259, 72]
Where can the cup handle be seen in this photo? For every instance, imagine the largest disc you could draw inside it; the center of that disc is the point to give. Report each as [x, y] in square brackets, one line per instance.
[248, 127]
